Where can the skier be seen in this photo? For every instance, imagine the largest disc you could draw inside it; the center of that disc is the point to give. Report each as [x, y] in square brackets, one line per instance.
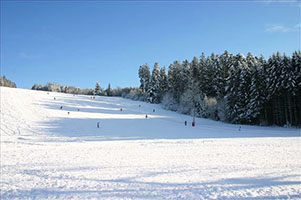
[145, 116]
[120, 109]
[154, 110]
[61, 107]
[97, 124]
[192, 124]
[54, 98]
[239, 128]
[78, 109]
[185, 123]
[68, 113]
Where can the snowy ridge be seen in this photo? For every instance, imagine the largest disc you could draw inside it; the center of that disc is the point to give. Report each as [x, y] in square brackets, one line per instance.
[47, 153]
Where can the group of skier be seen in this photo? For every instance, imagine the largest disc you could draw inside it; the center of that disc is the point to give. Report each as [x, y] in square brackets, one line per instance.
[146, 116]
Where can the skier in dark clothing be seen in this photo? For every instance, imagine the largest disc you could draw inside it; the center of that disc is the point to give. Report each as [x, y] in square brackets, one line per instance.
[97, 124]
[154, 110]
[54, 98]
[68, 113]
[185, 123]
[145, 116]
[61, 107]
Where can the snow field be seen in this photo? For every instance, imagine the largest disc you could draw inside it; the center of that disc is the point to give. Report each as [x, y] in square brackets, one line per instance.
[48, 154]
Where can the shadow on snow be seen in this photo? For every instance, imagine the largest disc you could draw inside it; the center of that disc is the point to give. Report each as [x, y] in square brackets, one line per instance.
[162, 124]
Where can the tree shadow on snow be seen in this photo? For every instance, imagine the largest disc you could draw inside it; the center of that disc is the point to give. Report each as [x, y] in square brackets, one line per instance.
[151, 128]
[131, 123]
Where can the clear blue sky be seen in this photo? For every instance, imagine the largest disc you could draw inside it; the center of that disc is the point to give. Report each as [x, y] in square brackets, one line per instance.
[79, 43]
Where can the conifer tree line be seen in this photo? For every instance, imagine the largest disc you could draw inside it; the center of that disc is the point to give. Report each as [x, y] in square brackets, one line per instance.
[231, 88]
[127, 92]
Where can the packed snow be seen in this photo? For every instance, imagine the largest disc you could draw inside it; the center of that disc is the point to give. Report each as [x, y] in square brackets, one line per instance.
[47, 153]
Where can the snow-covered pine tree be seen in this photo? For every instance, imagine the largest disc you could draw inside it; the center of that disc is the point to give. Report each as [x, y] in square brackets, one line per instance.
[208, 74]
[163, 82]
[144, 75]
[97, 89]
[202, 71]
[234, 91]
[154, 90]
[213, 71]
[185, 75]
[178, 84]
[296, 87]
[246, 90]
[170, 78]
[257, 89]
[287, 79]
[243, 90]
[195, 89]
[109, 90]
[225, 62]
[274, 85]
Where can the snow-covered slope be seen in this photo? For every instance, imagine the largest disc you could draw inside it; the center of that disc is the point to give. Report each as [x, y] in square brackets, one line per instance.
[47, 153]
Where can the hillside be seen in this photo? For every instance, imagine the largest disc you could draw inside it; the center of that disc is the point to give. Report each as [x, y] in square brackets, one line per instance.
[48, 152]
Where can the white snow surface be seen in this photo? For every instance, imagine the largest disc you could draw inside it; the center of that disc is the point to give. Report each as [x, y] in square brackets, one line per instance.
[48, 154]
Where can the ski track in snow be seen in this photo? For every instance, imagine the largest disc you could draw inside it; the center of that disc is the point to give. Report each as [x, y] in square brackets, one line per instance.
[48, 154]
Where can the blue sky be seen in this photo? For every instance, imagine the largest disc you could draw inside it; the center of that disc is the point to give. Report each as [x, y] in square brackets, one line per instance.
[78, 43]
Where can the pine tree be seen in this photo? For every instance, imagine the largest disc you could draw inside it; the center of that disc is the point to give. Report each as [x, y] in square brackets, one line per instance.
[194, 89]
[257, 88]
[223, 73]
[154, 90]
[274, 84]
[296, 87]
[225, 63]
[178, 84]
[246, 90]
[163, 83]
[235, 94]
[170, 78]
[144, 75]
[109, 90]
[97, 89]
